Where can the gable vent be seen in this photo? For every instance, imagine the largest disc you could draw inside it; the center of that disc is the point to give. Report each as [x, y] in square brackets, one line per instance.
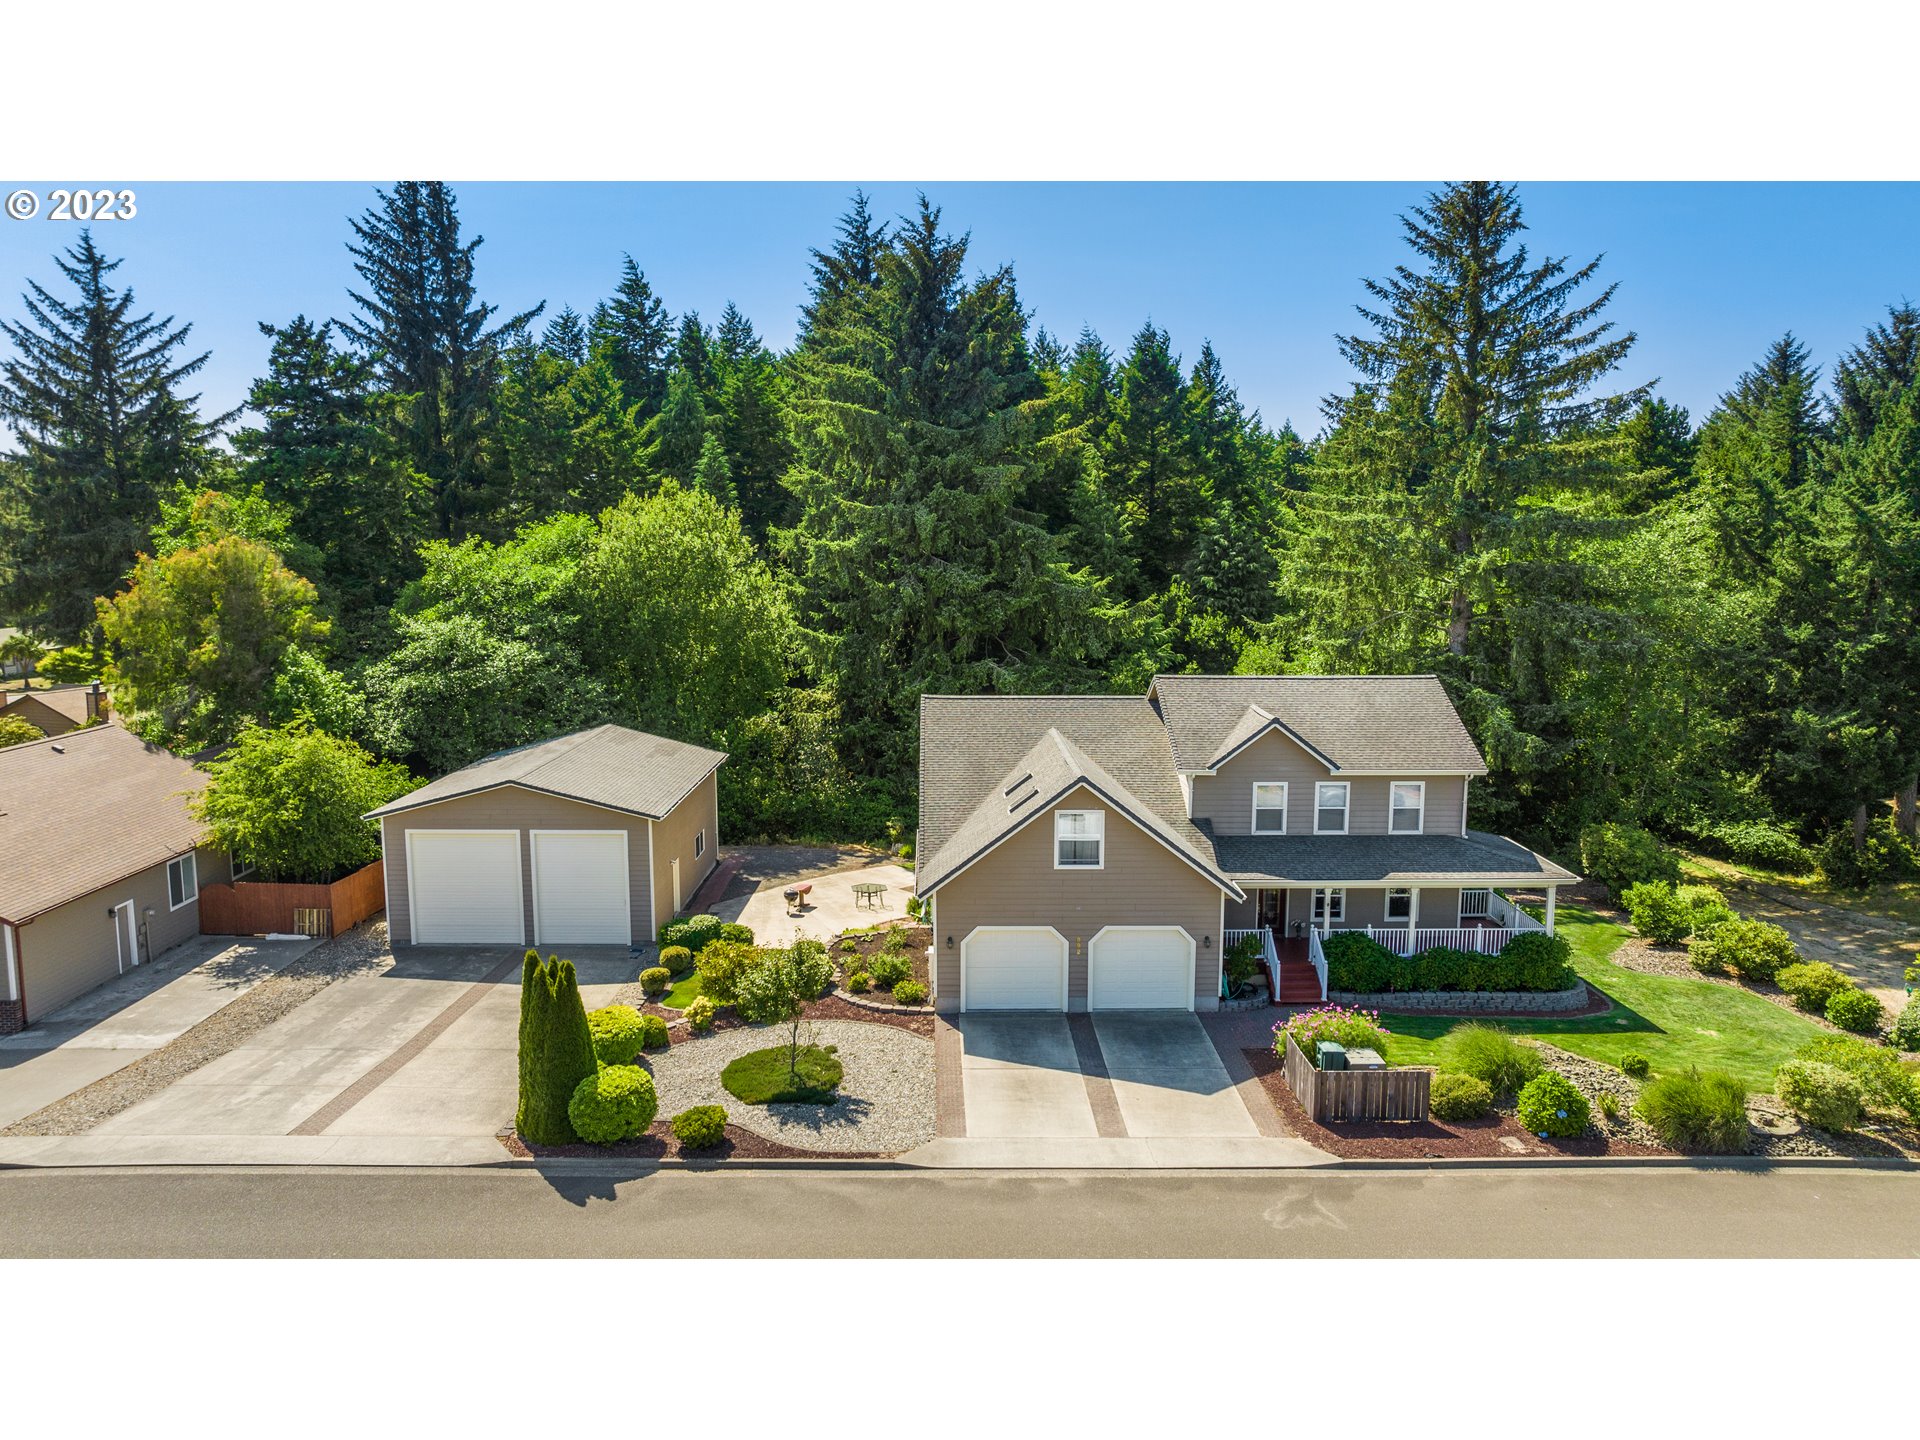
[1018, 800]
[1024, 779]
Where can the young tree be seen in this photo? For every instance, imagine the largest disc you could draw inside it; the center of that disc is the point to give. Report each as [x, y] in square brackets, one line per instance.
[778, 986]
[431, 340]
[290, 799]
[198, 636]
[633, 332]
[556, 1049]
[92, 395]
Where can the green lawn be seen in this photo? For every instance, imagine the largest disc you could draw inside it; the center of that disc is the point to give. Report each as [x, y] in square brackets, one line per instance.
[763, 1077]
[1673, 1022]
[683, 991]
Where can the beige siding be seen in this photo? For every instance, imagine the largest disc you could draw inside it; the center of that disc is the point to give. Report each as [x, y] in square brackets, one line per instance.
[1142, 883]
[35, 712]
[511, 808]
[1226, 799]
[69, 950]
[674, 836]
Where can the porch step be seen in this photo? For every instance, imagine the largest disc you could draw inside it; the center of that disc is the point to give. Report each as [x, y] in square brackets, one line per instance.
[1299, 984]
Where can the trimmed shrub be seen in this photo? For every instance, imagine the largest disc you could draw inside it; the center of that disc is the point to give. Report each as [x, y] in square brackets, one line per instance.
[1358, 963]
[1657, 912]
[1619, 856]
[1697, 1112]
[700, 1014]
[1636, 1066]
[655, 981]
[859, 982]
[1354, 1029]
[1705, 907]
[696, 932]
[1884, 1081]
[1812, 984]
[1819, 1094]
[676, 959]
[556, 1049]
[1752, 949]
[889, 970]
[1857, 1011]
[613, 1104]
[1459, 1097]
[1489, 1053]
[701, 1128]
[1535, 960]
[1905, 1034]
[1551, 1104]
[618, 1033]
[653, 1032]
[721, 965]
[910, 992]
[737, 933]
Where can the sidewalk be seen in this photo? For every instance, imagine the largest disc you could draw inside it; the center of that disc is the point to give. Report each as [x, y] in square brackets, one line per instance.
[1117, 1153]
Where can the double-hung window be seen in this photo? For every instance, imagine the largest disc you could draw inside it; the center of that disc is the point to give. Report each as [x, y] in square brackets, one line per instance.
[1330, 807]
[1269, 807]
[1409, 807]
[1400, 906]
[699, 843]
[1079, 839]
[1329, 907]
[183, 881]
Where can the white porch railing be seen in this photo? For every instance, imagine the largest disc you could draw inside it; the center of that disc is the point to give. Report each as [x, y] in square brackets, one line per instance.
[1319, 959]
[1476, 904]
[1231, 938]
[1483, 939]
[1511, 915]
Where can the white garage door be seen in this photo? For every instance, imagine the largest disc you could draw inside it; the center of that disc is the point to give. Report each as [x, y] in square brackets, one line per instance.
[1014, 969]
[463, 887]
[580, 888]
[1145, 968]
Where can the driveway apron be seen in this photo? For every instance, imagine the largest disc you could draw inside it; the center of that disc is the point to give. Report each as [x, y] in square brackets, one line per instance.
[1023, 1078]
[1167, 1077]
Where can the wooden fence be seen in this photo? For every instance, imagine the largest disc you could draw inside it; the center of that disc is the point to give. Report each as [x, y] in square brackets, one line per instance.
[250, 907]
[1356, 1094]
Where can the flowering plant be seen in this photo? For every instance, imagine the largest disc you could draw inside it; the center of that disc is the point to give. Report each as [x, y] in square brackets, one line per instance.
[1352, 1028]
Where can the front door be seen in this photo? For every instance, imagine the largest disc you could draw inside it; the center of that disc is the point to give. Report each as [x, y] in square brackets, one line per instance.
[1273, 910]
[125, 937]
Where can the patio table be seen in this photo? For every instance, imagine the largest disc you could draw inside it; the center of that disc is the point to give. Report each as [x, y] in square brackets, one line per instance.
[867, 893]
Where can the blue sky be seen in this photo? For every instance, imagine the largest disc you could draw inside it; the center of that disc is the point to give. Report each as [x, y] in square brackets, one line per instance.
[1709, 274]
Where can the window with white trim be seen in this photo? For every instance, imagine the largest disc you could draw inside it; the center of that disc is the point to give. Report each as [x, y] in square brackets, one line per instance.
[699, 843]
[1079, 839]
[1408, 809]
[1400, 905]
[242, 867]
[1330, 807]
[183, 881]
[1329, 907]
[1269, 807]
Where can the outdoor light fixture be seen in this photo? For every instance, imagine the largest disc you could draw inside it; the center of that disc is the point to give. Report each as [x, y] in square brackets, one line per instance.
[1206, 942]
[949, 942]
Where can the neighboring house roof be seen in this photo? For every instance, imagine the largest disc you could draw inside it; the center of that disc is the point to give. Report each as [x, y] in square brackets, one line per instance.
[973, 747]
[86, 809]
[609, 766]
[1359, 723]
[1475, 858]
[69, 702]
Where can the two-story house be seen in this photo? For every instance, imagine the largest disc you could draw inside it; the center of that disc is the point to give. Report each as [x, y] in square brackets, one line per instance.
[1097, 852]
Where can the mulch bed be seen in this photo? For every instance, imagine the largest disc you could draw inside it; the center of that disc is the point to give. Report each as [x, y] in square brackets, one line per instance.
[1497, 1137]
[834, 1007]
[865, 947]
[658, 1144]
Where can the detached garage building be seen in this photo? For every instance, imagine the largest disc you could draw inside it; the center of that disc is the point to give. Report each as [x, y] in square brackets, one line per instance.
[595, 838]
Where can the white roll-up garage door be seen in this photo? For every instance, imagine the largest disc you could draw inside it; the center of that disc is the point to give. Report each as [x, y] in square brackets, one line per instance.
[580, 888]
[463, 887]
[1013, 968]
[1140, 968]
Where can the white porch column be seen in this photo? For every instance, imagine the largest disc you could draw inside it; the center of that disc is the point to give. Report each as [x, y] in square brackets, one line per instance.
[1550, 893]
[10, 969]
[1413, 909]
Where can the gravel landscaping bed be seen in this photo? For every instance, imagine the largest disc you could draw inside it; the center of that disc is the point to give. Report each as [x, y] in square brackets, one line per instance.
[361, 951]
[886, 1097]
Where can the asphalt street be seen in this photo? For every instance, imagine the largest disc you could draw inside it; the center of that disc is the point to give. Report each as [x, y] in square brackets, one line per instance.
[1682, 1212]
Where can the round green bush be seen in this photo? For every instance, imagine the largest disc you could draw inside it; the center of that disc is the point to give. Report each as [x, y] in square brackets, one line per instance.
[1819, 1094]
[1696, 1112]
[676, 959]
[721, 965]
[1459, 1097]
[1752, 949]
[1489, 1053]
[1359, 964]
[1905, 1034]
[1812, 984]
[859, 982]
[1856, 1010]
[738, 934]
[1551, 1104]
[618, 1033]
[613, 1104]
[701, 1128]
[1635, 1065]
[1884, 1082]
[1535, 960]
[653, 1032]
[1657, 912]
[1622, 855]
[889, 970]
[910, 992]
[655, 981]
[700, 1015]
[1706, 907]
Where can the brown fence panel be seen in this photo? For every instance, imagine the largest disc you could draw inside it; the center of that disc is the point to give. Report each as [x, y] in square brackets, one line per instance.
[1395, 1094]
[250, 907]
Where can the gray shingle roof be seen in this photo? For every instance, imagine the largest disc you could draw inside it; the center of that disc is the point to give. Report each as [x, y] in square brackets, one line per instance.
[1474, 858]
[85, 809]
[609, 766]
[1362, 723]
[973, 746]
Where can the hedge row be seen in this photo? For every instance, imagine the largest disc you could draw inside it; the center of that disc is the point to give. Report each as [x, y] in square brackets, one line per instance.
[1534, 961]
